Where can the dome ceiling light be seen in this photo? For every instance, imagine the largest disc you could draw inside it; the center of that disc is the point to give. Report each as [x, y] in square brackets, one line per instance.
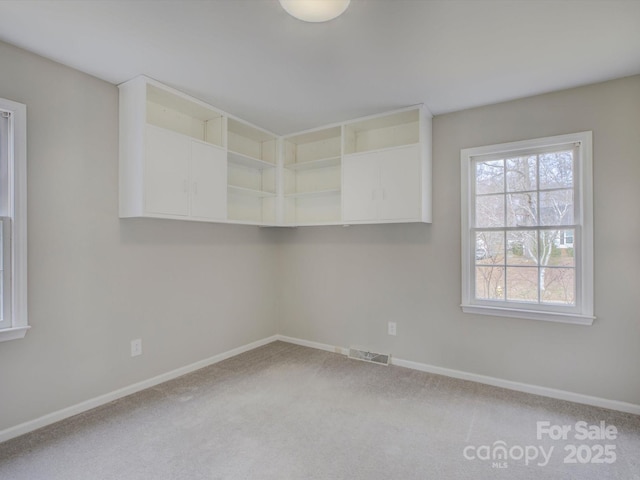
[315, 10]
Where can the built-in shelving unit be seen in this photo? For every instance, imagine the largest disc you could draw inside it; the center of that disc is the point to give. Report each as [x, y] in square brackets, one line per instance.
[312, 176]
[181, 158]
[386, 168]
[382, 132]
[252, 155]
[315, 193]
[177, 113]
[312, 164]
[249, 191]
[172, 154]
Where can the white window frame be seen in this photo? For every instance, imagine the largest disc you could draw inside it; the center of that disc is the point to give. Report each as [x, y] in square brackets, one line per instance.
[582, 313]
[13, 216]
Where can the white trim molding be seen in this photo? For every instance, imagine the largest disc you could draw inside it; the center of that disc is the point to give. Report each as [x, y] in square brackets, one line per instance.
[530, 314]
[59, 415]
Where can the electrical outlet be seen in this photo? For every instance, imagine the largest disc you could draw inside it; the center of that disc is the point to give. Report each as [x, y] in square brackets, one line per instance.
[136, 347]
[391, 328]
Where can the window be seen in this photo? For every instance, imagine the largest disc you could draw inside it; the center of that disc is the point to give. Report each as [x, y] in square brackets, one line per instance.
[527, 234]
[13, 220]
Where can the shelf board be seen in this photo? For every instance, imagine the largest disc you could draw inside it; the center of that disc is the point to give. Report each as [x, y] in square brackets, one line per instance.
[385, 120]
[243, 129]
[258, 223]
[312, 223]
[321, 163]
[249, 191]
[384, 149]
[315, 135]
[247, 161]
[315, 193]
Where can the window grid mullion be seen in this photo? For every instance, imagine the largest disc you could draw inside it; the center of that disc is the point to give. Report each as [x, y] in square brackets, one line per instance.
[505, 283]
[538, 224]
[555, 189]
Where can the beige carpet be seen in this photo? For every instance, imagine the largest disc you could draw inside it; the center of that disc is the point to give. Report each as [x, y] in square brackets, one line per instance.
[289, 412]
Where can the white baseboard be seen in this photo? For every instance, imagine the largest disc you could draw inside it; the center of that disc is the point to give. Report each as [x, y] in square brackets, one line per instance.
[496, 382]
[50, 418]
[316, 345]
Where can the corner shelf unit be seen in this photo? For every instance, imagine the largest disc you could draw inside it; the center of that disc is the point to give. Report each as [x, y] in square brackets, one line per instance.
[312, 176]
[252, 155]
[181, 158]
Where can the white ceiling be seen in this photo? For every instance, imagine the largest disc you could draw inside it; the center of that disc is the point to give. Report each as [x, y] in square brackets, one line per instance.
[252, 59]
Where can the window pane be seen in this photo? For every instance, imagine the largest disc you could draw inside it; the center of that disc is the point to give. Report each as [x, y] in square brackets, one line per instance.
[521, 174]
[522, 284]
[556, 207]
[490, 177]
[490, 211]
[559, 285]
[489, 248]
[556, 170]
[522, 209]
[547, 241]
[490, 283]
[522, 247]
[560, 255]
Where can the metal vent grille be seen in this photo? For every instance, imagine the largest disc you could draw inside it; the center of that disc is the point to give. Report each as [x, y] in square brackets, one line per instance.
[371, 357]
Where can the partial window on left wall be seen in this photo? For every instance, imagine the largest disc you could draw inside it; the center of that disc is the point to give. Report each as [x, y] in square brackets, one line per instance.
[13, 220]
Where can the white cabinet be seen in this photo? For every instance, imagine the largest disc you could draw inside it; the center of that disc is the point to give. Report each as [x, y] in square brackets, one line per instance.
[181, 158]
[208, 176]
[166, 172]
[174, 160]
[184, 177]
[387, 169]
[382, 186]
[361, 185]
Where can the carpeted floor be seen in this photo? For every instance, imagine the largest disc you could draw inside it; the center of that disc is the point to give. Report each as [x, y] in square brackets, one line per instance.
[288, 412]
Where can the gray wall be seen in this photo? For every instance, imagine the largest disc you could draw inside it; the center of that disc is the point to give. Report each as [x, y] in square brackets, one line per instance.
[341, 285]
[189, 290]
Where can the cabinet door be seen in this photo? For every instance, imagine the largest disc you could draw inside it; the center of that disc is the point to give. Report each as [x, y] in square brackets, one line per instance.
[400, 181]
[208, 181]
[360, 187]
[166, 170]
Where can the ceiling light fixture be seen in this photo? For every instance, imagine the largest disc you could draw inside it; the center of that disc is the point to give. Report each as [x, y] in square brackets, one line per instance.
[315, 10]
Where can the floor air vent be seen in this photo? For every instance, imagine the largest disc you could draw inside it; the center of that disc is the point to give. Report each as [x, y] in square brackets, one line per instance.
[371, 357]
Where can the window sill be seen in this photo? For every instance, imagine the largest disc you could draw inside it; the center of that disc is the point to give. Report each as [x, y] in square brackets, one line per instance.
[571, 318]
[13, 333]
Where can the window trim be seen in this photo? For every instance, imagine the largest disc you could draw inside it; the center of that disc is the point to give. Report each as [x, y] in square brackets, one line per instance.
[17, 212]
[582, 313]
